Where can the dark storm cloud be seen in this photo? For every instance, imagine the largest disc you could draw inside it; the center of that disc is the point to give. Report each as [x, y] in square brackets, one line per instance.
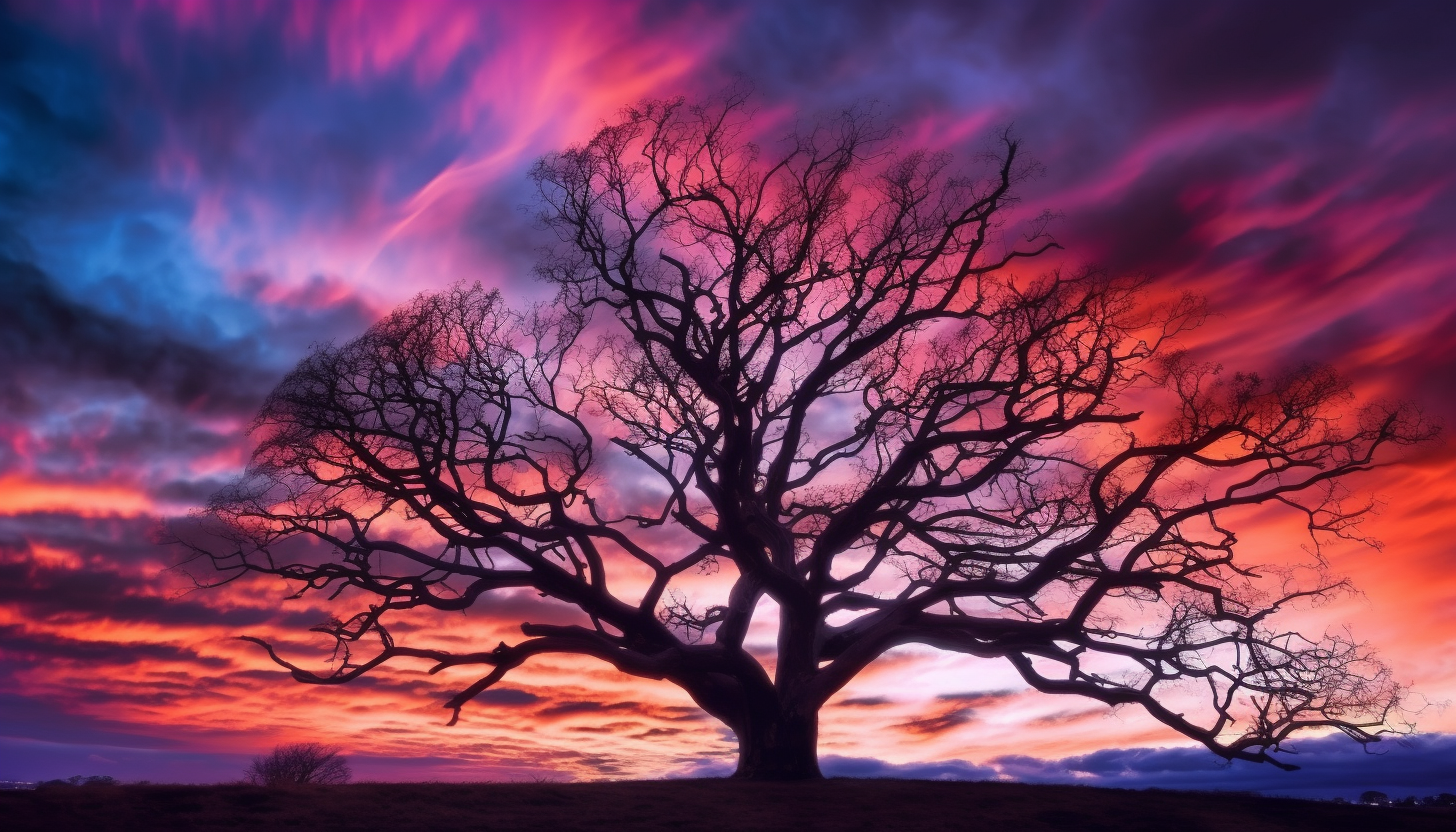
[44, 332]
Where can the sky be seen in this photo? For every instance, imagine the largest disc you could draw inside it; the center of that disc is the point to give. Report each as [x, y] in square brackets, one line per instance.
[192, 193]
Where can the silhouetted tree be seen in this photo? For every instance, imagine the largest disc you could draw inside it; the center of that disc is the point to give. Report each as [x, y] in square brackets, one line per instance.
[299, 763]
[1374, 798]
[813, 369]
[79, 780]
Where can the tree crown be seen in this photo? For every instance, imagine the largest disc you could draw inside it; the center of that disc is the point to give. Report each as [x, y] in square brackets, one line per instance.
[814, 368]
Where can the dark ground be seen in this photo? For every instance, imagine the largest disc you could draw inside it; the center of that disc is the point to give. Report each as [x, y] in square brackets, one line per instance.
[688, 804]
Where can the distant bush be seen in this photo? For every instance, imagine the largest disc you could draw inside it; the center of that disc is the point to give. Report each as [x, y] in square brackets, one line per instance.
[303, 762]
[78, 780]
[1374, 798]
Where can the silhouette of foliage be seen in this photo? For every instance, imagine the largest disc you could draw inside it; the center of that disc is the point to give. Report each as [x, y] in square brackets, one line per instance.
[80, 780]
[815, 363]
[299, 763]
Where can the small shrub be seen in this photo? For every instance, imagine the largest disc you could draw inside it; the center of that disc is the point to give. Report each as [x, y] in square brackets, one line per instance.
[303, 762]
[1374, 798]
[78, 780]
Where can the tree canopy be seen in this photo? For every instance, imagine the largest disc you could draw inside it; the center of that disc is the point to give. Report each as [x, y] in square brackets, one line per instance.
[816, 367]
[298, 764]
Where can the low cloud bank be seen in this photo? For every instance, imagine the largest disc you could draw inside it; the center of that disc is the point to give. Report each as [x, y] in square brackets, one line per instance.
[1329, 767]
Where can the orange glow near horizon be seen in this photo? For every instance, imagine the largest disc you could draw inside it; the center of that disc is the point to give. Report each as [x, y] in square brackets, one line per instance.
[22, 495]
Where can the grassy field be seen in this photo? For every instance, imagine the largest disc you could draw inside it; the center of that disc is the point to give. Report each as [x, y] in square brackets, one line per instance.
[688, 804]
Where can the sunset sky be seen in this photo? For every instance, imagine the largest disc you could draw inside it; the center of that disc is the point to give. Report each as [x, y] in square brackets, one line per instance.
[192, 193]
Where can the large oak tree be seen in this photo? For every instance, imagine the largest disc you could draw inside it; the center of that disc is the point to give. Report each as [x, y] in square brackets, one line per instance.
[818, 366]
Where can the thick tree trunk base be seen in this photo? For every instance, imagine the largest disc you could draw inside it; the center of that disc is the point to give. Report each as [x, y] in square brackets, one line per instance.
[779, 773]
[780, 749]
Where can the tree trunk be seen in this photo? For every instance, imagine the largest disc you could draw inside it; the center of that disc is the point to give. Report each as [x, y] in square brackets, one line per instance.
[779, 746]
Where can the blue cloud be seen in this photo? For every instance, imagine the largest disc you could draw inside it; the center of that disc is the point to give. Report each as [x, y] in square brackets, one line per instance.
[835, 766]
[1329, 767]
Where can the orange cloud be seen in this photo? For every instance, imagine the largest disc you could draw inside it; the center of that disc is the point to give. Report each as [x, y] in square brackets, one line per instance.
[21, 494]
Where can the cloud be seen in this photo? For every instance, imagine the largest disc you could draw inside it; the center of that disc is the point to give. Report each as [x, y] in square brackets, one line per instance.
[653, 733]
[1066, 717]
[865, 702]
[507, 696]
[866, 767]
[1331, 766]
[25, 648]
[938, 723]
[653, 711]
[579, 706]
[39, 592]
[43, 331]
[979, 697]
[24, 717]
